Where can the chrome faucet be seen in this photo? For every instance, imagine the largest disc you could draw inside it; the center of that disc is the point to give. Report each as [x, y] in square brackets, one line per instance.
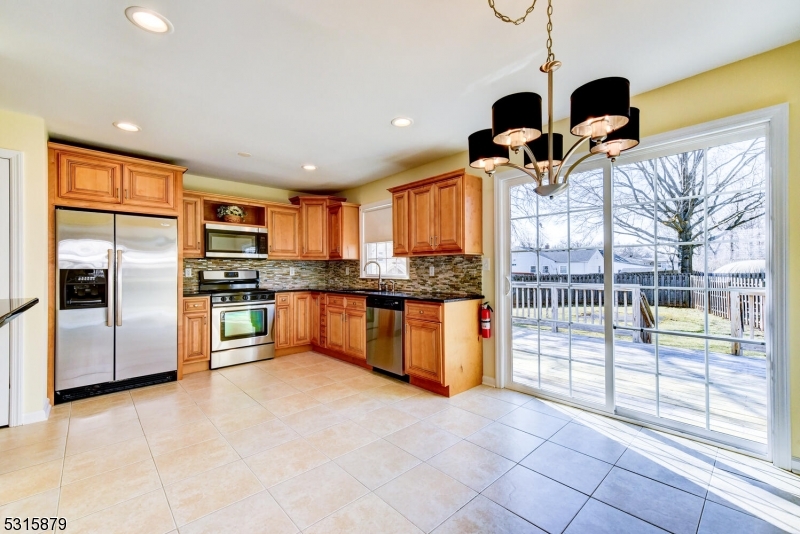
[380, 281]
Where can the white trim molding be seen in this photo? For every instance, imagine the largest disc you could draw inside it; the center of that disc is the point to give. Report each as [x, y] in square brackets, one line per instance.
[39, 416]
[489, 381]
[796, 465]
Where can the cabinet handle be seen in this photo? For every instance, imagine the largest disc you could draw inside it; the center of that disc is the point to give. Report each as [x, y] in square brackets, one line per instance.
[126, 192]
[430, 241]
[116, 192]
[198, 245]
[205, 321]
[435, 240]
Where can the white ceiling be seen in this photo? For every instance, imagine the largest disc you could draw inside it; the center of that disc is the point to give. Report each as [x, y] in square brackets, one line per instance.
[319, 81]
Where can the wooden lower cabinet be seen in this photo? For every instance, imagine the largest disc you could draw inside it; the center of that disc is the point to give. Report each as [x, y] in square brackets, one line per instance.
[355, 333]
[423, 352]
[342, 327]
[335, 329]
[196, 342]
[301, 312]
[314, 319]
[283, 326]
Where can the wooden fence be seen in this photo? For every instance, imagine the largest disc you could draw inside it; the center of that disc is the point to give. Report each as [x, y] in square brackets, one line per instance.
[746, 291]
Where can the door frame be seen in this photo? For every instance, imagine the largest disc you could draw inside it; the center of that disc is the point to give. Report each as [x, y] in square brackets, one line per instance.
[16, 173]
[777, 120]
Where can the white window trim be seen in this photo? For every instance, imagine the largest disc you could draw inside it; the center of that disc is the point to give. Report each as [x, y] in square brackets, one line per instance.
[381, 204]
[776, 119]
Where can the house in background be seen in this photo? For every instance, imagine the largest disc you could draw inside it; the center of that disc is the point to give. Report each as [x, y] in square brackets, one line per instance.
[586, 261]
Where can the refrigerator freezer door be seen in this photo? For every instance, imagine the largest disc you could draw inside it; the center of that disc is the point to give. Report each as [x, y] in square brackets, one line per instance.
[146, 296]
[84, 337]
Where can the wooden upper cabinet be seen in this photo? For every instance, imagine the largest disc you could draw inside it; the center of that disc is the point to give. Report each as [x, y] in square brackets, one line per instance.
[192, 227]
[301, 332]
[343, 231]
[439, 215]
[283, 225]
[313, 228]
[400, 235]
[423, 350]
[335, 232]
[82, 177]
[149, 187]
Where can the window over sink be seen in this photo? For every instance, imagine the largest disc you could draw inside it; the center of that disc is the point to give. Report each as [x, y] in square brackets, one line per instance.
[376, 243]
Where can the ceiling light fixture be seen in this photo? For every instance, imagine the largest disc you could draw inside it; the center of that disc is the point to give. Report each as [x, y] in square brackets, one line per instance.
[309, 167]
[127, 126]
[600, 112]
[148, 20]
[244, 154]
[402, 122]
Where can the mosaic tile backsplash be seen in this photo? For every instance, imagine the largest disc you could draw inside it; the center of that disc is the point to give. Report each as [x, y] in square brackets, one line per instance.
[453, 274]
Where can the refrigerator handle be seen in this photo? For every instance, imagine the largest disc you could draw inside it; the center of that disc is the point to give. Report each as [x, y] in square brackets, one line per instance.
[110, 309]
[118, 286]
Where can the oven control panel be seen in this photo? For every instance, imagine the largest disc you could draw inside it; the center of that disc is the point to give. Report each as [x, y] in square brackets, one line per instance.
[242, 297]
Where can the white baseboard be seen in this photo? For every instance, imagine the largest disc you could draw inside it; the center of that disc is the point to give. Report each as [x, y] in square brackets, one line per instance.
[489, 381]
[37, 417]
[796, 465]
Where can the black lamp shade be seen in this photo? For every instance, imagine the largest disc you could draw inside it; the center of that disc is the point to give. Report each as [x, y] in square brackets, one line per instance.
[619, 140]
[517, 119]
[600, 107]
[482, 148]
[539, 149]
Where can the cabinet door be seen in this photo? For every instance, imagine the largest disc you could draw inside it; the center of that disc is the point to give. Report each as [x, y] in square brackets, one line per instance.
[283, 327]
[335, 329]
[192, 227]
[356, 333]
[86, 178]
[423, 350]
[196, 341]
[448, 235]
[335, 232]
[314, 224]
[283, 228]
[315, 318]
[400, 217]
[149, 187]
[301, 329]
[421, 205]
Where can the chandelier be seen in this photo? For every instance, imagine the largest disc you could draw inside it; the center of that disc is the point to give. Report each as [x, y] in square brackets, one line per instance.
[600, 113]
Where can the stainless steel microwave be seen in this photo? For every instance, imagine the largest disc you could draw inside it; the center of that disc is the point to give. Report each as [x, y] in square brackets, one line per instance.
[228, 241]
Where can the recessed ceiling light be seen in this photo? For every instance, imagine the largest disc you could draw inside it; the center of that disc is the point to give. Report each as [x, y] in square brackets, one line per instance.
[244, 154]
[148, 20]
[402, 122]
[310, 167]
[127, 126]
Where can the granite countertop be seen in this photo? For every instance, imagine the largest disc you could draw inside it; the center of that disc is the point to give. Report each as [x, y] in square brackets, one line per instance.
[10, 309]
[429, 296]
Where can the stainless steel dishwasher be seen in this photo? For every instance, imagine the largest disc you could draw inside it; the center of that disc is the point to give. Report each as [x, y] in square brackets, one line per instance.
[385, 333]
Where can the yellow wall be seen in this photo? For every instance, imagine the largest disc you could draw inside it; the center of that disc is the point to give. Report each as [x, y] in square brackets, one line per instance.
[753, 83]
[28, 135]
[192, 182]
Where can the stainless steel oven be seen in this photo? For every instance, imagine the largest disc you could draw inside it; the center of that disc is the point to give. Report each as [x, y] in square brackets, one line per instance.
[241, 332]
[230, 241]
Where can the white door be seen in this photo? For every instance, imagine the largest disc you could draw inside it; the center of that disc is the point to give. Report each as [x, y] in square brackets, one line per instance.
[5, 284]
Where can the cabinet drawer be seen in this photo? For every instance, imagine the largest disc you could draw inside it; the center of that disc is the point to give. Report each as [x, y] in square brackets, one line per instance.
[356, 303]
[283, 298]
[424, 312]
[336, 300]
[195, 305]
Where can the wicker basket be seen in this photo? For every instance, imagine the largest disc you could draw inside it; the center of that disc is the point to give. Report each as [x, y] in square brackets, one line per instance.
[232, 219]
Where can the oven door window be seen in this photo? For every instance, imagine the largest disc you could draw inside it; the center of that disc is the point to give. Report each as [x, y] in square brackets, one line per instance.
[242, 324]
[237, 242]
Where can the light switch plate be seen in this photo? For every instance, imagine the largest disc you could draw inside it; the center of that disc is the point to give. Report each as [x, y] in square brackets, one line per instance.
[432, 271]
[187, 272]
[485, 264]
[291, 271]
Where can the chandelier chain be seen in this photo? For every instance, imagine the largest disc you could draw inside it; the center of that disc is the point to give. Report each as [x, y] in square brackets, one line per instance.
[515, 22]
[550, 55]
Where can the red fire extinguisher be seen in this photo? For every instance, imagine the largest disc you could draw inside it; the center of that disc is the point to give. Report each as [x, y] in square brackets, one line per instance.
[486, 320]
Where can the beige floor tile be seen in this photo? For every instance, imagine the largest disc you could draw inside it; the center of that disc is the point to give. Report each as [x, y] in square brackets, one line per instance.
[291, 404]
[507, 395]
[506, 441]
[23, 483]
[18, 436]
[177, 416]
[392, 393]
[256, 514]
[219, 391]
[377, 463]
[483, 405]
[241, 419]
[99, 404]
[309, 497]
[310, 382]
[482, 515]
[43, 504]
[156, 406]
[228, 404]
[89, 423]
[147, 513]
[459, 422]
[471, 465]
[355, 405]
[240, 374]
[294, 374]
[365, 382]
[60, 411]
[178, 437]
[113, 432]
[184, 463]
[33, 454]
[422, 405]
[341, 439]
[328, 366]
[271, 391]
[423, 440]
[425, 496]
[285, 461]
[261, 437]
[332, 392]
[202, 380]
[202, 494]
[276, 364]
[345, 373]
[102, 491]
[313, 420]
[307, 359]
[367, 515]
[386, 420]
[104, 459]
[155, 392]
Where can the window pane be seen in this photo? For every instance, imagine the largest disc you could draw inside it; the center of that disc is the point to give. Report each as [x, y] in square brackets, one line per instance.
[586, 190]
[634, 183]
[634, 224]
[680, 175]
[737, 166]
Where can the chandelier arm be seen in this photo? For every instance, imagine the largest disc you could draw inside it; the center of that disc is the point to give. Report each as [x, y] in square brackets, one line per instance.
[574, 165]
[536, 178]
[569, 154]
[535, 163]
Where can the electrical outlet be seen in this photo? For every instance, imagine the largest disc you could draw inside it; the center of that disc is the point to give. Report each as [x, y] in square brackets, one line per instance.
[187, 272]
[432, 271]
[485, 264]
[291, 271]
[347, 271]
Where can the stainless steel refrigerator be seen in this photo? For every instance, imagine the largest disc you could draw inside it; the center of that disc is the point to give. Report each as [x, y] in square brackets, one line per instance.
[116, 302]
